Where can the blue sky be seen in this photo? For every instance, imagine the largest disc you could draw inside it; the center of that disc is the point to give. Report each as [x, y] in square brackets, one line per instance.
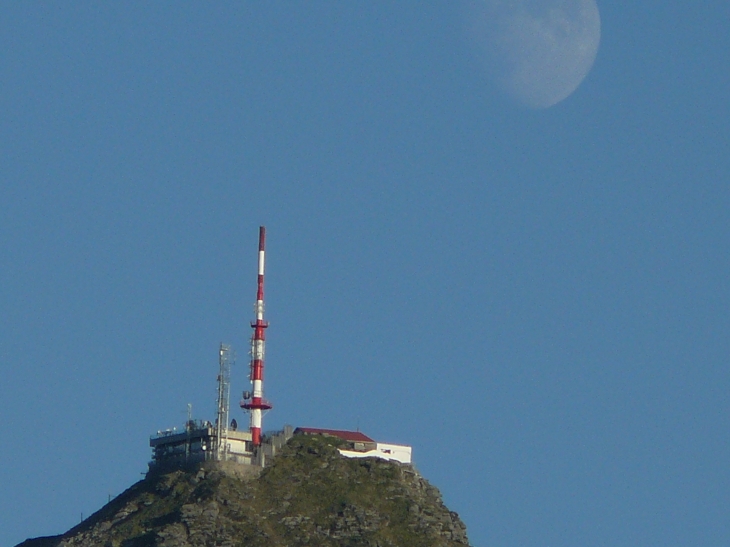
[536, 300]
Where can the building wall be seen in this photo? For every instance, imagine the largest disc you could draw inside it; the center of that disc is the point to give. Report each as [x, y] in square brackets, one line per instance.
[391, 452]
[399, 452]
[198, 445]
[238, 447]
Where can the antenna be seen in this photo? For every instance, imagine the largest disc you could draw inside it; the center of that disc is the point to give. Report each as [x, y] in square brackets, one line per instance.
[256, 404]
[224, 390]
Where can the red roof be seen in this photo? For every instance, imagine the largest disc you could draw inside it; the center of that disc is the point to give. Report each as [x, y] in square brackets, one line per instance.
[352, 436]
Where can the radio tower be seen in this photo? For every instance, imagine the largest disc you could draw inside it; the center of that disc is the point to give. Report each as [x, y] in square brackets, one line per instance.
[224, 391]
[256, 403]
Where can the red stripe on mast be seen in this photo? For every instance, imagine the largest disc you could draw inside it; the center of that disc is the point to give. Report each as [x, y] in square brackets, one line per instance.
[257, 403]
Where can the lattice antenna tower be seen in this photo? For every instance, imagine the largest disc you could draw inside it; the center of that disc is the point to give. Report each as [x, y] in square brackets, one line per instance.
[225, 358]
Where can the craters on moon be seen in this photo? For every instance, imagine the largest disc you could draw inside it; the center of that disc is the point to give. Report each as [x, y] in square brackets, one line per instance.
[537, 51]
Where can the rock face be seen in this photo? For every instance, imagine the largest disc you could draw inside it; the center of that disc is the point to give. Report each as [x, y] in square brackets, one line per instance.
[310, 495]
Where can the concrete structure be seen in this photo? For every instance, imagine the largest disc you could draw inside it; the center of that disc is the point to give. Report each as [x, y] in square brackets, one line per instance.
[362, 446]
[395, 452]
[199, 442]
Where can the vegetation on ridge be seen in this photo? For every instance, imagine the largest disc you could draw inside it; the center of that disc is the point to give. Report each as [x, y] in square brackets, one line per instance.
[310, 495]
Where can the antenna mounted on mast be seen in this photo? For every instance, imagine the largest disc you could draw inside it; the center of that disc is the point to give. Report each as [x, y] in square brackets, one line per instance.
[224, 392]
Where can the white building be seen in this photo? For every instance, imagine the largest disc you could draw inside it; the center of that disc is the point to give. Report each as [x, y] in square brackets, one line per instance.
[362, 446]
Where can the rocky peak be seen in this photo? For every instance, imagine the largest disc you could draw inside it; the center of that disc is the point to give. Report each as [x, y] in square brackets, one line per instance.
[310, 495]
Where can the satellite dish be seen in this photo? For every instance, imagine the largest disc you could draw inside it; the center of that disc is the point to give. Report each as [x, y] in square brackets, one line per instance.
[247, 395]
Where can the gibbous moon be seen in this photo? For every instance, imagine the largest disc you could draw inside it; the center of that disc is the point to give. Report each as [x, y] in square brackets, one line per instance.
[537, 51]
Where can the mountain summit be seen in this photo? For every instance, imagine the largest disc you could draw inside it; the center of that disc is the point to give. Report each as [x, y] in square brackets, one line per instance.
[309, 495]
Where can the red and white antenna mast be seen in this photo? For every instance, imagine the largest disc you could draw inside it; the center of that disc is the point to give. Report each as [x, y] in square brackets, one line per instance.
[255, 403]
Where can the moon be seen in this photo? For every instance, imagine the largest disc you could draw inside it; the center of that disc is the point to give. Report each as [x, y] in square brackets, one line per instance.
[537, 51]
